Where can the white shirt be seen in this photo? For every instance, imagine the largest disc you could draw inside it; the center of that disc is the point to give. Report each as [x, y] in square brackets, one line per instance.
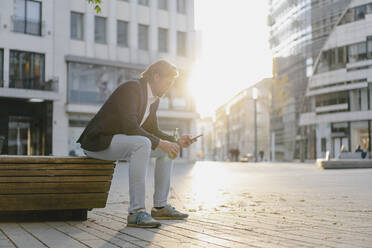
[150, 100]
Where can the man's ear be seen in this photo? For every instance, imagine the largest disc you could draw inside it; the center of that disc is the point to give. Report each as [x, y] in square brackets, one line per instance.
[156, 77]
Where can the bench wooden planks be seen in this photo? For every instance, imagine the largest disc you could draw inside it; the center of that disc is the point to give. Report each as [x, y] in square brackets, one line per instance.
[61, 187]
[26, 202]
[51, 159]
[23, 179]
[49, 183]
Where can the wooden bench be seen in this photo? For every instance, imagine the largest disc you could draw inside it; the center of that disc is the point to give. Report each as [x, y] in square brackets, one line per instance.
[37, 188]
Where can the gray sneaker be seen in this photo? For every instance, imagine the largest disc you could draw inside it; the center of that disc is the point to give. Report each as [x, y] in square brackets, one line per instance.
[167, 213]
[142, 219]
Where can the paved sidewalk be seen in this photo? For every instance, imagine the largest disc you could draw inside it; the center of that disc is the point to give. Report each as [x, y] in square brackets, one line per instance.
[230, 205]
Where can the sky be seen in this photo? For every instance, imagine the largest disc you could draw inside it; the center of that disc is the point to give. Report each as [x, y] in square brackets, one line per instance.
[234, 51]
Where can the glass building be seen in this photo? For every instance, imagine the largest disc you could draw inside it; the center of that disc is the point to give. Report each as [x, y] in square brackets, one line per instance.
[340, 89]
[298, 30]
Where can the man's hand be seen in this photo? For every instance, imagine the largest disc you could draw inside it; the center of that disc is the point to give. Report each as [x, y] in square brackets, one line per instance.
[184, 141]
[169, 147]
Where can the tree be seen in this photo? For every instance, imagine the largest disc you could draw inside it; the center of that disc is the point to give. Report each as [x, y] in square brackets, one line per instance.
[96, 4]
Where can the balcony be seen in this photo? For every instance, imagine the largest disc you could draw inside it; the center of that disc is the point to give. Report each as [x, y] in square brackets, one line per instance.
[332, 108]
[35, 84]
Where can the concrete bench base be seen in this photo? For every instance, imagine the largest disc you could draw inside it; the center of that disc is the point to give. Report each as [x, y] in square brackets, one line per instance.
[344, 163]
[352, 155]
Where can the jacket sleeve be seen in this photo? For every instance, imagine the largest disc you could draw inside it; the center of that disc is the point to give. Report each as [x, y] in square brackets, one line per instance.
[127, 106]
[153, 126]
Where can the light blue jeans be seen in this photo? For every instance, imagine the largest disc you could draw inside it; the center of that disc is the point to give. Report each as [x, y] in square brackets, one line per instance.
[137, 150]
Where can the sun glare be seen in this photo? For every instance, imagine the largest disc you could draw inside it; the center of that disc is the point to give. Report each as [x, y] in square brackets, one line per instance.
[234, 50]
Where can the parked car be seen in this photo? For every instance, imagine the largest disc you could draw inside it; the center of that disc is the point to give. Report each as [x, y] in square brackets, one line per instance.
[246, 157]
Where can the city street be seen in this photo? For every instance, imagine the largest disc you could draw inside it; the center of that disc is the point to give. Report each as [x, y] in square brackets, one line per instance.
[230, 205]
[86, 82]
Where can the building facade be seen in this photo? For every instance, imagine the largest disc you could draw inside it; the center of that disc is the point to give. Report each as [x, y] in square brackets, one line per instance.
[234, 133]
[205, 144]
[298, 30]
[60, 61]
[340, 91]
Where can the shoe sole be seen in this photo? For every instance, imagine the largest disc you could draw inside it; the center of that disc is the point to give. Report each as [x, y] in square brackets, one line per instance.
[139, 226]
[169, 218]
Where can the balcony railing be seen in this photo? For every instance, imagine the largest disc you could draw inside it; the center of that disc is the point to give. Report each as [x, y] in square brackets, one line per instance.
[33, 84]
[175, 104]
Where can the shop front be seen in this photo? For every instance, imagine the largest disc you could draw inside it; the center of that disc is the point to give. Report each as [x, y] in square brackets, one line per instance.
[25, 126]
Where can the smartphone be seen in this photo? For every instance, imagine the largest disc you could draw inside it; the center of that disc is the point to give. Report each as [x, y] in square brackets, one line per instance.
[195, 138]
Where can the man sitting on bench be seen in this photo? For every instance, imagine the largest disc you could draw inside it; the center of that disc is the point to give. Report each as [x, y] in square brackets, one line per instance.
[126, 128]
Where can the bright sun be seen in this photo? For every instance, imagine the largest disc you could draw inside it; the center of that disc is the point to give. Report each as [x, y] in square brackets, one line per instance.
[234, 50]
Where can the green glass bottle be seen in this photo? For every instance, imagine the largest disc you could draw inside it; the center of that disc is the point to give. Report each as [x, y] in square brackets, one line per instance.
[175, 137]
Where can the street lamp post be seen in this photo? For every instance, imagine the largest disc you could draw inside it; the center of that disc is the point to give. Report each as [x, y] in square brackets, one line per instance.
[228, 132]
[254, 96]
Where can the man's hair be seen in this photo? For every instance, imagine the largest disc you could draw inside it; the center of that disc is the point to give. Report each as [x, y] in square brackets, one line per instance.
[163, 67]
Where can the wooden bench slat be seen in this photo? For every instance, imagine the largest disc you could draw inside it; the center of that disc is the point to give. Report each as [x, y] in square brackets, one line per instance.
[62, 187]
[56, 166]
[56, 179]
[50, 159]
[26, 202]
[8, 173]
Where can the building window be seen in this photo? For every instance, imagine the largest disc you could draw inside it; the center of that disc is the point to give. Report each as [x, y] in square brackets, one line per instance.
[26, 70]
[27, 127]
[181, 43]
[181, 6]
[100, 30]
[143, 37]
[348, 17]
[1, 68]
[340, 127]
[27, 18]
[359, 135]
[337, 58]
[324, 62]
[369, 96]
[357, 13]
[357, 52]
[369, 47]
[93, 84]
[324, 144]
[360, 12]
[143, 2]
[369, 8]
[332, 99]
[355, 100]
[309, 66]
[77, 26]
[341, 57]
[163, 40]
[122, 33]
[163, 4]
[332, 59]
